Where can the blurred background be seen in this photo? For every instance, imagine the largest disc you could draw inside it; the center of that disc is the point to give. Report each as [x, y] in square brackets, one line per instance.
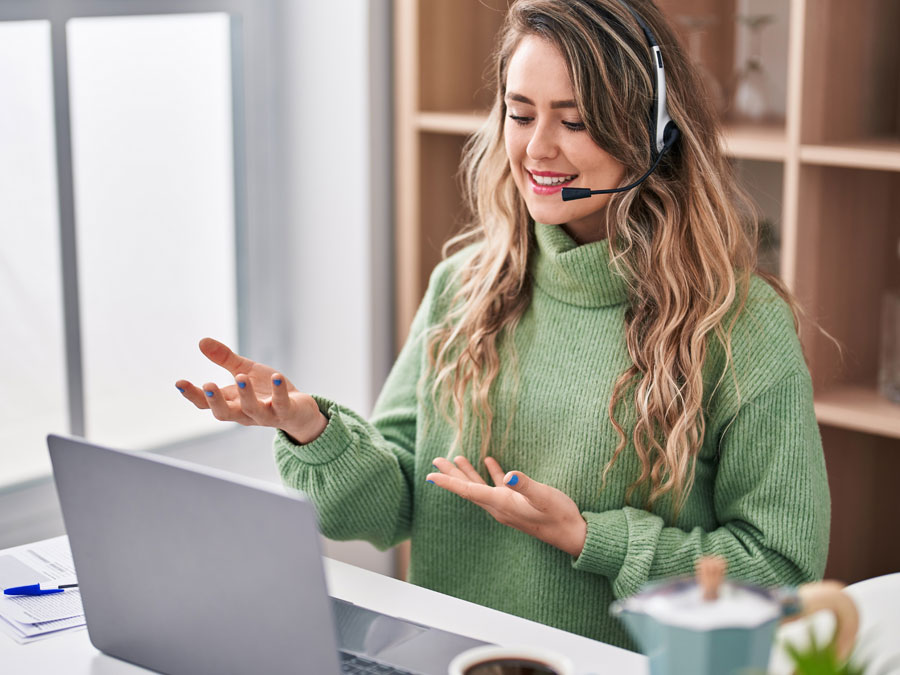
[281, 175]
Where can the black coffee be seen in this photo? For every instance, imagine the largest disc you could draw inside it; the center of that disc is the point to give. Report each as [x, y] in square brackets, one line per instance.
[509, 667]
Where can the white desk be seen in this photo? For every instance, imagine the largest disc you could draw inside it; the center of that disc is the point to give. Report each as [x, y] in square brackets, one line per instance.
[72, 653]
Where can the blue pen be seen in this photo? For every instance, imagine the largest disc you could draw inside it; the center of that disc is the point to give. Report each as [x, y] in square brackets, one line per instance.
[38, 589]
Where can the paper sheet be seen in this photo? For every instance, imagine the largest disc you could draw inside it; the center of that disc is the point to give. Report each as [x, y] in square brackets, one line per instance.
[40, 608]
[51, 557]
[24, 633]
[29, 617]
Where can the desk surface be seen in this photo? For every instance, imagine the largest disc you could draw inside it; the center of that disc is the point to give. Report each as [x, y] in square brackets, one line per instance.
[73, 653]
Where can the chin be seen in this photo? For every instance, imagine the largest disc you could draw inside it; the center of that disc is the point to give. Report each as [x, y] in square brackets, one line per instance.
[547, 215]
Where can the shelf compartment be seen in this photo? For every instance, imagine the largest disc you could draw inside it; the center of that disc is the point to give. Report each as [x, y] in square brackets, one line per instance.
[851, 85]
[714, 49]
[764, 182]
[724, 47]
[456, 39]
[862, 471]
[847, 233]
[859, 408]
[879, 154]
[442, 213]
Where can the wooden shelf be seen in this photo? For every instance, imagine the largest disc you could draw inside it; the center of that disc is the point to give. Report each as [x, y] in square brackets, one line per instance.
[756, 141]
[742, 141]
[882, 154]
[860, 409]
[462, 122]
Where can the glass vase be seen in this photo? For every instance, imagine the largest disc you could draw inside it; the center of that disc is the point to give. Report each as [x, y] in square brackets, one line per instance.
[752, 87]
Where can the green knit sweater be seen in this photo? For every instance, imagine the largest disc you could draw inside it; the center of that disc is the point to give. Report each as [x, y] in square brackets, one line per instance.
[760, 496]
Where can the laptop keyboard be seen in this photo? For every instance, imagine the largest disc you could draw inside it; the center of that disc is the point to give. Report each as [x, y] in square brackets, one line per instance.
[360, 665]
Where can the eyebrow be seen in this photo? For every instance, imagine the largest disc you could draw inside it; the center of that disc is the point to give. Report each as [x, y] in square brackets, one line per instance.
[513, 96]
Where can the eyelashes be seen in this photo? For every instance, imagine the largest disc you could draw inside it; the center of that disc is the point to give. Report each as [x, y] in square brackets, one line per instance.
[525, 121]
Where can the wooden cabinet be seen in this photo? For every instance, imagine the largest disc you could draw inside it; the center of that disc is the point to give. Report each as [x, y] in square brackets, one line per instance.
[824, 169]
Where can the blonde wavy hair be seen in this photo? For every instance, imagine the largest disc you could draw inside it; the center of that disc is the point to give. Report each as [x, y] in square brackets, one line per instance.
[685, 241]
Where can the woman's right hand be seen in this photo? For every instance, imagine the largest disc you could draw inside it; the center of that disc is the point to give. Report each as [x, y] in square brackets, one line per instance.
[260, 396]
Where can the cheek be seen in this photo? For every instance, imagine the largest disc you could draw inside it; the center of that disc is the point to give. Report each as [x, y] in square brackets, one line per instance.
[596, 160]
[511, 142]
[515, 149]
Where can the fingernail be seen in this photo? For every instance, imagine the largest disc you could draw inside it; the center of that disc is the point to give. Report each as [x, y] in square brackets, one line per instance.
[434, 467]
[179, 389]
[208, 393]
[277, 383]
[242, 384]
[513, 480]
[430, 481]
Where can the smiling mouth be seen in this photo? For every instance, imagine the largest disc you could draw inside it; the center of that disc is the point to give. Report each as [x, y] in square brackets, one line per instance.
[550, 181]
[547, 186]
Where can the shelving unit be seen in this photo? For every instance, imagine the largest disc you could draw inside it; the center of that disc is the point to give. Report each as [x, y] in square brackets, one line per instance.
[827, 174]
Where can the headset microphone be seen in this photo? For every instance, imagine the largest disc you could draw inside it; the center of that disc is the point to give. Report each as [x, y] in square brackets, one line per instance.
[663, 132]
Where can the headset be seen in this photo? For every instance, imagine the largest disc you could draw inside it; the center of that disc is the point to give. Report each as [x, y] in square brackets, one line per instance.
[663, 131]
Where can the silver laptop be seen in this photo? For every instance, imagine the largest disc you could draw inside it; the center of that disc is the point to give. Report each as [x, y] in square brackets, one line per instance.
[186, 569]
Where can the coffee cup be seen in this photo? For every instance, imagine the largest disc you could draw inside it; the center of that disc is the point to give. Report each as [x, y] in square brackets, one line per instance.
[497, 660]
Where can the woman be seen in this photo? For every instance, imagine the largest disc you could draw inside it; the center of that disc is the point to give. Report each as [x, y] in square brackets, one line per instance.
[644, 389]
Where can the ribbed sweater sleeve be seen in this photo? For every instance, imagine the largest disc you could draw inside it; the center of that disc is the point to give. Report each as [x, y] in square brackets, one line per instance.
[359, 473]
[770, 498]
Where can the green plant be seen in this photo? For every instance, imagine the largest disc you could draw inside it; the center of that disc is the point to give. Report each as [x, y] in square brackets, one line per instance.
[817, 659]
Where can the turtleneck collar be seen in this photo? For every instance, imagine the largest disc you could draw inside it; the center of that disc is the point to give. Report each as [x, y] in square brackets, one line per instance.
[575, 274]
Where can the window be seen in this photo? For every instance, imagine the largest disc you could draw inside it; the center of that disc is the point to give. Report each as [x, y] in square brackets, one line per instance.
[123, 202]
[150, 101]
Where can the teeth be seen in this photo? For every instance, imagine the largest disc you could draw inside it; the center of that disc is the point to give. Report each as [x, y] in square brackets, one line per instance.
[548, 180]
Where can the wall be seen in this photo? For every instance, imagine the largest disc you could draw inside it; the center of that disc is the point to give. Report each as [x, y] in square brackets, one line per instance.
[332, 118]
[336, 102]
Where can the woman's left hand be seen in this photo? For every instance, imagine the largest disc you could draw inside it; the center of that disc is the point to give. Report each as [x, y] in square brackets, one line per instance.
[517, 501]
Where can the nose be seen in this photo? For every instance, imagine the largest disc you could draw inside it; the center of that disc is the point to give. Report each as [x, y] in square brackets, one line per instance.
[543, 144]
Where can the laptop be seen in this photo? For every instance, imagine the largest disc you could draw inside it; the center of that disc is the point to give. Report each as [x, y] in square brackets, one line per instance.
[188, 569]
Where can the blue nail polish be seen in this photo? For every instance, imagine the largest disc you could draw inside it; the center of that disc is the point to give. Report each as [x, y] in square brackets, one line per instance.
[430, 481]
[513, 480]
[179, 389]
[208, 393]
[434, 467]
[277, 383]
[242, 384]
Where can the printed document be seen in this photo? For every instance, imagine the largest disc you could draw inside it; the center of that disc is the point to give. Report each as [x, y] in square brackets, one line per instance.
[25, 618]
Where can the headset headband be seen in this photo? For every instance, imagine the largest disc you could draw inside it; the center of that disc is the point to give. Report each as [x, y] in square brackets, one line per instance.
[660, 118]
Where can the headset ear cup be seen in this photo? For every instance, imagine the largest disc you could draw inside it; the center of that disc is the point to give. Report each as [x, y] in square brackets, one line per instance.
[671, 134]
